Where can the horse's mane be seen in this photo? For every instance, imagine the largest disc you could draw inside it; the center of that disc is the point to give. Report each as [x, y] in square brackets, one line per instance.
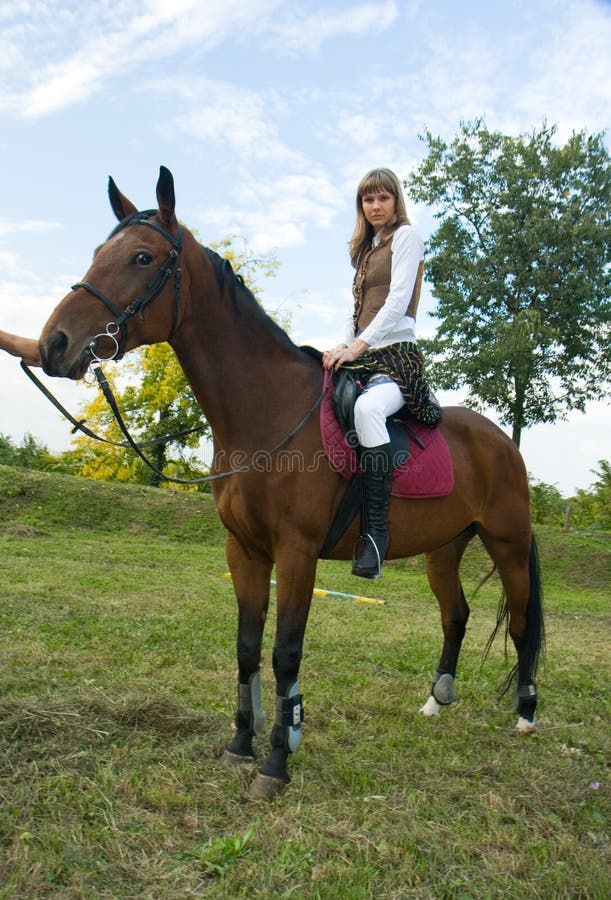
[240, 294]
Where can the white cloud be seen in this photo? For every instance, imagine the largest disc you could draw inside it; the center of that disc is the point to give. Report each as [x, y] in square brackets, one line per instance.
[570, 75]
[560, 72]
[32, 226]
[277, 213]
[111, 40]
[231, 115]
[361, 128]
[308, 30]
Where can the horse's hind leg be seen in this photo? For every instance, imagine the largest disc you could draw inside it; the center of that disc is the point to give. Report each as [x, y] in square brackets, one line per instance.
[251, 581]
[444, 578]
[517, 563]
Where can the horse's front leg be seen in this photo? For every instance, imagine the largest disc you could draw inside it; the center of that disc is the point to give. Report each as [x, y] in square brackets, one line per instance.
[251, 580]
[295, 582]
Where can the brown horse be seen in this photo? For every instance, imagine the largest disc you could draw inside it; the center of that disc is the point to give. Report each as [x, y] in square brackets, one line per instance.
[255, 388]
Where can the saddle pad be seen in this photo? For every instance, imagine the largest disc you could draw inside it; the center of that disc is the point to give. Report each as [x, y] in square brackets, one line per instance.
[427, 473]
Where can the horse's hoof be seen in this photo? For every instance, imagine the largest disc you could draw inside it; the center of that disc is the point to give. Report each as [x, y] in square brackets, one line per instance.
[430, 708]
[232, 759]
[266, 787]
[525, 726]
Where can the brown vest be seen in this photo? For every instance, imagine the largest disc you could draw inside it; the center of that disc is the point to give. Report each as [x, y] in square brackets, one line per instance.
[372, 283]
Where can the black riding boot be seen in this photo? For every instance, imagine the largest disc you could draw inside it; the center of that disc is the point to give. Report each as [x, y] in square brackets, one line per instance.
[376, 465]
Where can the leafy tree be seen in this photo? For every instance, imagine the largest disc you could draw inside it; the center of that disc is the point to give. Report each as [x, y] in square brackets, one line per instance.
[520, 269]
[592, 509]
[547, 506]
[155, 400]
[30, 454]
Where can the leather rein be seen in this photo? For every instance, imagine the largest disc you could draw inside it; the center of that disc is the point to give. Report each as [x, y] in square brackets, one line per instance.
[117, 330]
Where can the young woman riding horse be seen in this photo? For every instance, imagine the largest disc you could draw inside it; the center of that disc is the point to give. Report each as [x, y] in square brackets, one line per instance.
[380, 345]
[255, 387]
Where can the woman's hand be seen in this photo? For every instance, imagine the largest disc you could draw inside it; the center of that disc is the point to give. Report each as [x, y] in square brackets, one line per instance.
[26, 348]
[333, 359]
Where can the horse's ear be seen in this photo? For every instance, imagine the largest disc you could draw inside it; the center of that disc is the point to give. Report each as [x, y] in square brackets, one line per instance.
[165, 196]
[122, 207]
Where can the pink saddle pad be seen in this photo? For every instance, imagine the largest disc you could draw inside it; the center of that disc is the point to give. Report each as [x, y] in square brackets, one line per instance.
[427, 473]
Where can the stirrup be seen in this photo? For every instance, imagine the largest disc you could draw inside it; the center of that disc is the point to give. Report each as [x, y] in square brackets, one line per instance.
[366, 538]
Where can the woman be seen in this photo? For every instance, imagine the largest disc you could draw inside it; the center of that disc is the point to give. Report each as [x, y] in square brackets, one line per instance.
[388, 255]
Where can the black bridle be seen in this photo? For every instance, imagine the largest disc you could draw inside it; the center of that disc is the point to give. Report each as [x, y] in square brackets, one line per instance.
[117, 331]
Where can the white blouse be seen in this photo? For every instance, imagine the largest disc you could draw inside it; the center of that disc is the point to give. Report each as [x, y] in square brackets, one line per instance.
[391, 325]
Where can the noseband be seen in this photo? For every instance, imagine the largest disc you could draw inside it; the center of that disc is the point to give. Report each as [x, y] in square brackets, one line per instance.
[117, 330]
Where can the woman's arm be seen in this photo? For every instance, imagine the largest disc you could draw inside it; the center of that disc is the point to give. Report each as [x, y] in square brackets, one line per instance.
[26, 348]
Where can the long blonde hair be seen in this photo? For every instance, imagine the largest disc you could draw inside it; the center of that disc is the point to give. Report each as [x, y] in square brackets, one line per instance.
[373, 182]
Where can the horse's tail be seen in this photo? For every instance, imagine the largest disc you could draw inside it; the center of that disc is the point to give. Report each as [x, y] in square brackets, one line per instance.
[534, 639]
[533, 643]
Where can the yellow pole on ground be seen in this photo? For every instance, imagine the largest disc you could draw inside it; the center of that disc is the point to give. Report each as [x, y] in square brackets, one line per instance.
[318, 592]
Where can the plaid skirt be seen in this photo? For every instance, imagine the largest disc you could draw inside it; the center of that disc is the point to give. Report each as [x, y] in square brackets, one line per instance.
[403, 364]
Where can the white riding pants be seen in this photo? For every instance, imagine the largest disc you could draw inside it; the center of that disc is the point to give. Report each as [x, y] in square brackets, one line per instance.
[375, 404]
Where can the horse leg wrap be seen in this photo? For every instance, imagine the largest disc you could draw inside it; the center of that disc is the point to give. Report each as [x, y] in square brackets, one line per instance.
[250, 705]
[443, 688]
[526, 701]
[289, 716]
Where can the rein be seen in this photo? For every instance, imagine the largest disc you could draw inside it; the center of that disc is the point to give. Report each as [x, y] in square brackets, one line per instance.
[79, 425]
[259, 457]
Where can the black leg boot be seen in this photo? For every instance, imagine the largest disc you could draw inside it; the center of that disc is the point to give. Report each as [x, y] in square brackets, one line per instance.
[376, 464]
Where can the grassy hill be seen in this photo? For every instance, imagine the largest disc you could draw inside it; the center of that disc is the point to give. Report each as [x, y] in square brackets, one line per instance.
[62, 502]
[117, 695]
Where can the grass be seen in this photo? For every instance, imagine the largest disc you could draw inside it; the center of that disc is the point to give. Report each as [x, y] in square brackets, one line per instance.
[117, 694]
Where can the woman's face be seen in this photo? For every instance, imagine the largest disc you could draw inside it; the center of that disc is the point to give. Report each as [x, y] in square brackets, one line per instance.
[378, 208]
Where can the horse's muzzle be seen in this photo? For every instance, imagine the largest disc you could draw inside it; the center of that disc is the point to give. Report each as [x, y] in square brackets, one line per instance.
[57, 360]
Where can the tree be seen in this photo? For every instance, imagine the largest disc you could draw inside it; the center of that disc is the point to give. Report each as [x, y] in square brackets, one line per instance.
[546, 504]
[592, 509]
[30, 454]
[155, 400]
[520, 269]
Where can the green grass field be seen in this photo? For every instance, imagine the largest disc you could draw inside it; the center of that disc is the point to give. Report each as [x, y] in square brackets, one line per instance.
[117, 695]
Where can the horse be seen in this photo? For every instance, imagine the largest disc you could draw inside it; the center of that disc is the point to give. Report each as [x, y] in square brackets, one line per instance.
[258, 390]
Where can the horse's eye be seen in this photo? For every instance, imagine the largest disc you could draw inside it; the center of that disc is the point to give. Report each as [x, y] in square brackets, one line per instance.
[143, 259]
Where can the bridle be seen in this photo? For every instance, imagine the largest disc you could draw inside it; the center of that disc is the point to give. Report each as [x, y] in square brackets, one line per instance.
[117, 332]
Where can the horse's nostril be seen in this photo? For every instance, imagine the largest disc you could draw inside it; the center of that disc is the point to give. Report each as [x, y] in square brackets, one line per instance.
[57, 344]
[52, 349]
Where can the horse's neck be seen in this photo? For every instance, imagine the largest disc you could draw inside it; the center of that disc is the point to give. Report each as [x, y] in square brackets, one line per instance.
[247, 376]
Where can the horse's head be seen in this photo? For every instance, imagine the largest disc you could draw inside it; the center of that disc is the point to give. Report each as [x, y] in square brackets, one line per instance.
[108, 313]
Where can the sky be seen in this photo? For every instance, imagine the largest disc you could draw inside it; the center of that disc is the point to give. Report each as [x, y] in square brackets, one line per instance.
[267, 112]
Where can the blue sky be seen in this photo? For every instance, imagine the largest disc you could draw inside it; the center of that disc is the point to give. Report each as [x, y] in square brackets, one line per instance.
[267, 112]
